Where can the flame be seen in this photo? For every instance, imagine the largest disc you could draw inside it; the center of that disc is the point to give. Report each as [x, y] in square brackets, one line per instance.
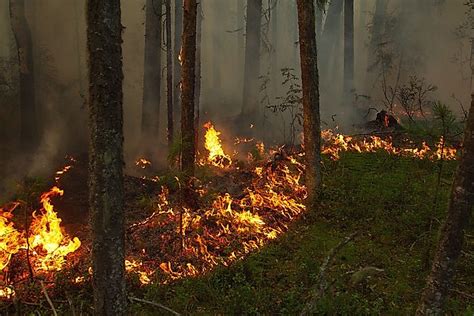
[137, 267]
[274, 197]
[142, 163]
[10, 239]
[213, 145]
[48, 239]
[335, 143]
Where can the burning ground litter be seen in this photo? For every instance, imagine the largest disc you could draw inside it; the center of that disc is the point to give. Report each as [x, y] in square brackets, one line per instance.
[242, 206]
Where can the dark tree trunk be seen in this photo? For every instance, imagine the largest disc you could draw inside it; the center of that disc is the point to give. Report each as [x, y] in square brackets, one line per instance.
[152, 71]
[104, 39]
[274, 57]
[169, 77]
[29, 132]
[310, 82]
[330, 35]
[188, 79]
[178, 31]
[252, 59]
[348, 49]
[197, 100]
[319, 19]
[240, 27]
[79, 64]
[460, 206]
[378, 25]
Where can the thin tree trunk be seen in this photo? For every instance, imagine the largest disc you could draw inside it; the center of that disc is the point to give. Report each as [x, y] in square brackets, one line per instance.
[197, 101]
[319, 19]
[178, 31]
[460, 206]
[348, 49]
[252, 59]
[29, 132]
[310, 81]
[378, 25]
[274, 57]
[169, 77]
[78, 48]
[240, 26]
[330, 35]
[152, 71]
[104, 38]
[188, 79]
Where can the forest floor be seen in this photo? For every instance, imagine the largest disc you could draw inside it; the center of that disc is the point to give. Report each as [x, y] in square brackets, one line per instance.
[388, 201]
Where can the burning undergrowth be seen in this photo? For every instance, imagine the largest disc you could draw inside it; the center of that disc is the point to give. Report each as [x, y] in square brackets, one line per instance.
[242, 205]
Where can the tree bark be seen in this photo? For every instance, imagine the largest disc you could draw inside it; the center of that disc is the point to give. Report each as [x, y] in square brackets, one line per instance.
[188, 79]
[330, 35]
[197, 100]
[378, 25]
[169, 77]
[274, 56]
[348, 49]
[252, 59]
[29, 132]
[178, 31]
[310, 82]
[451, 239]
[104, 39]
[152, 71]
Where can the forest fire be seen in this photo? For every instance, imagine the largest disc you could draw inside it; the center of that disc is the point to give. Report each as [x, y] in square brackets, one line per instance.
[45, 243]
[337, 143]
[48, 240]
[192, 242]
[216, 157]
[220, 231]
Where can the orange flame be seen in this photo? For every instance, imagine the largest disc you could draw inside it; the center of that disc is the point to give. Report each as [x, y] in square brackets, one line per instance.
[48, 239]
[216, 156]
[337, 143]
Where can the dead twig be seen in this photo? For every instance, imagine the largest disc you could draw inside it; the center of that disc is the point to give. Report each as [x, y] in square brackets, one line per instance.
[322, 284]
[48, 299]
[154, 304]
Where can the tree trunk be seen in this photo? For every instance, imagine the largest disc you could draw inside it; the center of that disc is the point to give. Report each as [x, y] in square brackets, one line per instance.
[197, 100]
[378, 25]
[348, 49]
[169, 77]
[319, 19]
[252, 59]
[104, 38]
[178, 31]
[152, 71]
[188, 79]
[451, 239]
[78, 48]
[29, 132]
[240, 27]
[274, 56]
[310, 82]
[330, 35]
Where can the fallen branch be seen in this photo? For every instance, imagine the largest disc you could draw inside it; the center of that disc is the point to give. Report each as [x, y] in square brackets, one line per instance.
[154, 304]
[48, 299]
[322, 284]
